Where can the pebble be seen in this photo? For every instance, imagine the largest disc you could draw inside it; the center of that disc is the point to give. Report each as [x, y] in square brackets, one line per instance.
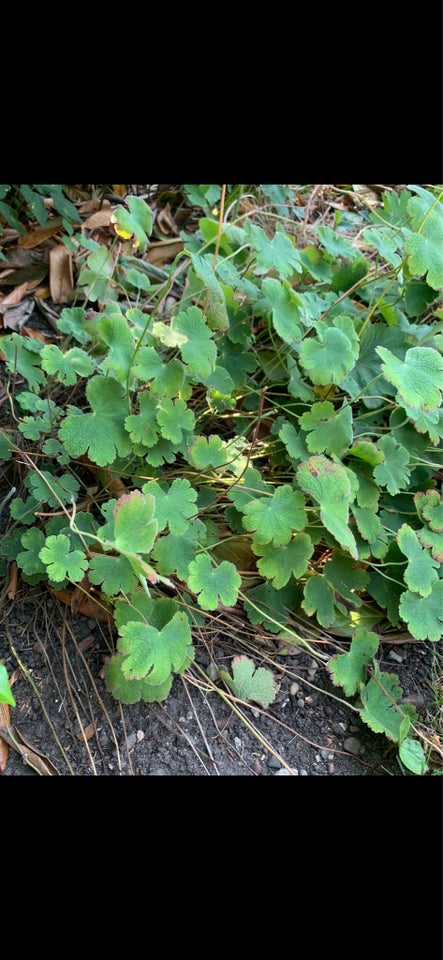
[326, 754]
[393, 655]
[352, 745]
[294, 688]
[285, 773]
[274, 763]
[339, 728]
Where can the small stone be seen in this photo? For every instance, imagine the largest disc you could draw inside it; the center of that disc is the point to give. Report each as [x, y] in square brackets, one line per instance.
[330, 768]
[140, 735]
[301, 704]
[285, 773]
[339, 728]
[303, 773]
[352, 746]
[294, 688]
[131, 741]
[326, 754]
[393, 655]
[274, 763]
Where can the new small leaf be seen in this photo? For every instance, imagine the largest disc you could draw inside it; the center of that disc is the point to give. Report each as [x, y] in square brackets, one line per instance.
[249, 683]
[212, 585]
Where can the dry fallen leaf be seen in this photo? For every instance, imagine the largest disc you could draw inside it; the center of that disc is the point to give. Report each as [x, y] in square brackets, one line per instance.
[36, 237]
[163, 251]
[101, 218]
[29, 754]
[85, 604]
[4, 748]
[61, 279]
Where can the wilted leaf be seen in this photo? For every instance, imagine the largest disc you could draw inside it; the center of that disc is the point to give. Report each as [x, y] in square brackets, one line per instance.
[61, 281]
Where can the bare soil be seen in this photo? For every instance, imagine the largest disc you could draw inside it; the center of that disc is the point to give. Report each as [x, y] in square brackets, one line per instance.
[66, 723]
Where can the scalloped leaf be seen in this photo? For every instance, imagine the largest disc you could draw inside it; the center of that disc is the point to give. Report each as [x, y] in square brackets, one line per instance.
[419, 377]
[348, 669]
[249, 683]
[393, 472]
[281, 563]
[274, 519]
[424, 615]
[380, 705]
[101, 433]
[330, 486]
[421, 570]
[153, 654]
[135, 529]
[61, 562]
[425, 247]
[212, 585]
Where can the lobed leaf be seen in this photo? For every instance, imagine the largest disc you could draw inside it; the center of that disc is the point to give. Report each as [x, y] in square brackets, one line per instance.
[421, 570]
[249, 683]
[348, 669]
[424, 615]
[329, 485]
[273, 519]
[212, 585]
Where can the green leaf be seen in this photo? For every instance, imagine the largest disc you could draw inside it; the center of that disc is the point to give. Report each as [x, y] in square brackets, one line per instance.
[135, 222]
[66, 366]
[419, 377]
[348, 669]
[393, 472]
[336, 245]
[285, 309]
[319, 600]
[23, 356]
[250, 487]
[100, 433]
[174, 417]
[412, 755]
[142, 427]
[273, 519]
[330, 431]
[380, 710]
[134, 527]
[421, 571]
[114, 331]
[48, 489]
[174, 553]
[280, 563]
[273, 608]
[432, 540]
[294, 442]
[327, 357]
[29, 559]
[249, 683]
[132, 691]
[175, 506]
[430, 508]
[153, 654]
[211, 584]
[189, 331]
[345, 577]
[216, 313]
[425, 246]
[387, 241]
[166, 379]
[5, 689]
[115, 574]
[213, 452]
[96, 276]
[329, 485]
[62, 562]
[279, 254]
[424, 615]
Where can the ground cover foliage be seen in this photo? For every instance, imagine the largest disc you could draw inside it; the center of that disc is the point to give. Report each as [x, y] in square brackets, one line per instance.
[235, 406]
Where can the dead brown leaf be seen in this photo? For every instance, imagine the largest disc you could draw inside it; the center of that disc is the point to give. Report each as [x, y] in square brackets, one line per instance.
[4, 748]
[29, 754]
[120, 188]
[165, 221]
[84, 604]
[100, 219]
[61, 280]
[164, 250]
[13, 581]
[35, 237]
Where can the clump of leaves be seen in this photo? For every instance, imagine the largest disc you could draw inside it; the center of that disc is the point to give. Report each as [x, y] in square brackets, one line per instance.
[291, 400]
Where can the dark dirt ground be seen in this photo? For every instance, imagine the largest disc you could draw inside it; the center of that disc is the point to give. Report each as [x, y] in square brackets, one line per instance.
[73, 727]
